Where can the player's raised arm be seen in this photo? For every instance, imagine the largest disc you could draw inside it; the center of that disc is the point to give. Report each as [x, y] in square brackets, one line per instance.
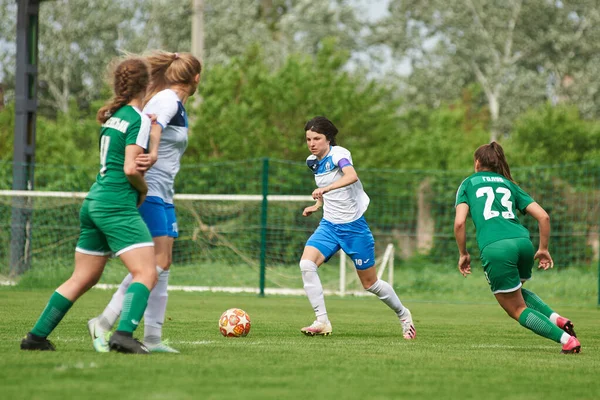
[144, 161]
[134, 176]
[348, 178]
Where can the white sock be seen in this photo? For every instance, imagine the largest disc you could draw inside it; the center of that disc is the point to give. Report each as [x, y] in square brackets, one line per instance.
[154, 316]
[386, 293]
[111, 313]
[314, 289]
[565, 338]
[553, 317]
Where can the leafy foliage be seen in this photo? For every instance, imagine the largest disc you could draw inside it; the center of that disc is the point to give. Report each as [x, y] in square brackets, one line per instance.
[250, 111]
[547, 134]
[520, 53]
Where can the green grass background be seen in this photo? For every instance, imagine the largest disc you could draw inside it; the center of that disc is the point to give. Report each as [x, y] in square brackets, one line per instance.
[466, 347]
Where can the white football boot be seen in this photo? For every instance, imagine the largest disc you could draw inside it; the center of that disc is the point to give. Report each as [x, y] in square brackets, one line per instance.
[99, 336]
[317, 328]
[408, 327]
[162, 347]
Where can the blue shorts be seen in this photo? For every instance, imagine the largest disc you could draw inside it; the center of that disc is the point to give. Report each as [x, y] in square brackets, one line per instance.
[159, 217]
[355, 238]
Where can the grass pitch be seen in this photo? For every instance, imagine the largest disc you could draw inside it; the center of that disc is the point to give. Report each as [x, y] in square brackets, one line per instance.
[462, 351]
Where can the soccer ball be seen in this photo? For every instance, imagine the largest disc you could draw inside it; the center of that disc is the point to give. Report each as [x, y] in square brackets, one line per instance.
[234, 322]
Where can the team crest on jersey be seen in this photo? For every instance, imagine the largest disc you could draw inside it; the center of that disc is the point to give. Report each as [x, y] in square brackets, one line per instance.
[313, 164]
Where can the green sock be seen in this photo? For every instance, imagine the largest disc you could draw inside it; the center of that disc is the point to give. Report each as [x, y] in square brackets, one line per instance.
[535, 303]
[134, 305]
[55, 310]
[540, 324]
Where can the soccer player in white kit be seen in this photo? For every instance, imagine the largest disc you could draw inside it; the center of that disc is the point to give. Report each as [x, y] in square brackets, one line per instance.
[174, 77]
[341, 194]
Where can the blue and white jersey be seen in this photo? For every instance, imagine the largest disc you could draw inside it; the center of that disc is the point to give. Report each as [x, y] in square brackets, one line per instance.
[342, 205]
[171, 115]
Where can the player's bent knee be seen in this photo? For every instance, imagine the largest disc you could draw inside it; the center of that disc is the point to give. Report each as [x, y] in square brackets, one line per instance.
[163, 261]
[153, 277]
[93, 282]
[80, 285]
[308, 266]
[368, 277]
[516, 313]
[77, 285]
[146, 276]
[368, 284]
[160, 268]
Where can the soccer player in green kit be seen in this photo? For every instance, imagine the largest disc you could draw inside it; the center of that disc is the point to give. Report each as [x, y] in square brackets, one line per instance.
[492, 198]
[109, 218]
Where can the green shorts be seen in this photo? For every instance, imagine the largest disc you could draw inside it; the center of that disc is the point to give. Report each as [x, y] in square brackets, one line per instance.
[507, 263]
[110, 228]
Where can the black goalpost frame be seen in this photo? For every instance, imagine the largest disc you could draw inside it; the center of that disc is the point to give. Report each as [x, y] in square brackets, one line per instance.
[24, 135]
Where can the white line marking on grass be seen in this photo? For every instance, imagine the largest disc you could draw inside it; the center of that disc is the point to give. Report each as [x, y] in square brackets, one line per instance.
[196, 343]
[214, 289]
[210, 342]
[69, 340]
[79, 365]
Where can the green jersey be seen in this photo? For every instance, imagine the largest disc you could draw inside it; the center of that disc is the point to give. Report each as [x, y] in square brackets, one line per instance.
[493, 201]
[127, 126]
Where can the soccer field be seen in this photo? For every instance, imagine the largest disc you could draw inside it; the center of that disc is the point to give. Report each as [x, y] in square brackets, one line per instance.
[462, 351]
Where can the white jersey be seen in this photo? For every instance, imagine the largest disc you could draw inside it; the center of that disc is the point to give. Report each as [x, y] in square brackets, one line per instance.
[171, 115]
[342, 205]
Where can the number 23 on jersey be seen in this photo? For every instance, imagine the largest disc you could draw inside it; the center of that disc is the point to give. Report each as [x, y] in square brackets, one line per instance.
[490, 196]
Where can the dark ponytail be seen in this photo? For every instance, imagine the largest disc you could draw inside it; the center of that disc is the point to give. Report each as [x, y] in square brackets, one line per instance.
[491, 158]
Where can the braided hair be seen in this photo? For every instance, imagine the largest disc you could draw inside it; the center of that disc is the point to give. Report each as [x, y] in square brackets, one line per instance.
[130, 79]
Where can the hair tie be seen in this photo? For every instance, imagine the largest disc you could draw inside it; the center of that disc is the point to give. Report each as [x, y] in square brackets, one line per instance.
[176, 56]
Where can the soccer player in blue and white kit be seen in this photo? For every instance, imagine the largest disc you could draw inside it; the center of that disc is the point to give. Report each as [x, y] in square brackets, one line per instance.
[344, 202]
[174, 77]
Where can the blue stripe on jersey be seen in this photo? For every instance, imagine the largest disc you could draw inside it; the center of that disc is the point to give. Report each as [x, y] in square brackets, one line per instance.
[180, 118]
[324, 166]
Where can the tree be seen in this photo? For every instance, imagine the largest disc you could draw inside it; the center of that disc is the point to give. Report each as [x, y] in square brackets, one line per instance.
[198, 29]
[504, 45]
[572, 56]
[8, 16]
[159, 24]
[231, 30]
[309, 22]
[77, 39]
[553, 134]
[256, 112]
